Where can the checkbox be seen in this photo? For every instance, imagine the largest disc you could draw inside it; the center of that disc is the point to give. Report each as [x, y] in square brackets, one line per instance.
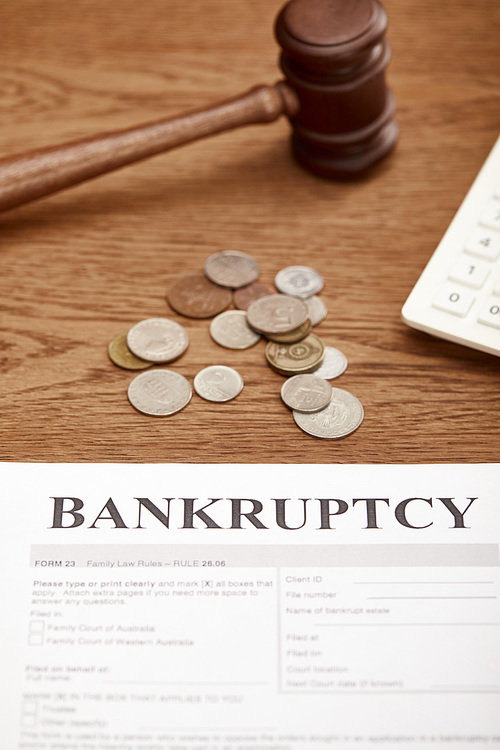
[29, 711]
[35, 639]
[36, 626]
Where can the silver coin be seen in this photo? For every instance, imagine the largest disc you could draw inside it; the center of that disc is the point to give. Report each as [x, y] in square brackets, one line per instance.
[157, 340]
[333, 365]
[317, 309]
[159, 393]
[306, 393]
[342, 416]
[230, 329]
[277, 313]
[299, 281]
[231, 268]
[218, 383]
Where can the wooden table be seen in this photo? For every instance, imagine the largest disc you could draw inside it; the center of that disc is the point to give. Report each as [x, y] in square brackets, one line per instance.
[84, 265]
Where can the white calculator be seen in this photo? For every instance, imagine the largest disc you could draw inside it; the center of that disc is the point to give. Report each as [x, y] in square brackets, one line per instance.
[457, 297]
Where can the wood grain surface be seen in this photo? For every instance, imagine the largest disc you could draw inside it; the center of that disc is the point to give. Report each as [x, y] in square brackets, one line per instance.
[84, 265]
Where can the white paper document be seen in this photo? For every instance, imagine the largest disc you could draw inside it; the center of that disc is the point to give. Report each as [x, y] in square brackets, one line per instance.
[249, 607]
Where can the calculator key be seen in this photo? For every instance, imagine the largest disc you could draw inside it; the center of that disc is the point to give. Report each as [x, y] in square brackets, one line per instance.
[469, 271]
[490, 313]
[484, 243]
[454, 299]
[496, 287]
[491, 215]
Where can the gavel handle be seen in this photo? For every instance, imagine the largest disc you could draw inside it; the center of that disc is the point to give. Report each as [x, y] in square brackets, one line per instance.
[26, 177]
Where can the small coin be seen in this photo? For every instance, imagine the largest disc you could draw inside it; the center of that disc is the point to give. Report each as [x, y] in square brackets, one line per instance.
[333, 365]
[159, 393]
[288, 338]
[120, 354]
[218, 383]
[195, 296]
[230, 329]
[244, 297]
[231, 268]
[306, 393]
[277, 313]
[317, 309]
[299, 281]
[157, 340]
[342, 416]
[294, 359]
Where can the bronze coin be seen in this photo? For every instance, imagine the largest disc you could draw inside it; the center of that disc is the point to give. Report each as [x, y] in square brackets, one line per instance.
[244, 297]
[120, 354]
[195, 296]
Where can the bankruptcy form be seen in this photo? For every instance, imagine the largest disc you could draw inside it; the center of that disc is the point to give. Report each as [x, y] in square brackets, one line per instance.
[249, 607]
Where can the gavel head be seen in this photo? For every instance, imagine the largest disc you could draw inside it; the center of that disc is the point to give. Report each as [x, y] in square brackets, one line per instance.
[334, 56]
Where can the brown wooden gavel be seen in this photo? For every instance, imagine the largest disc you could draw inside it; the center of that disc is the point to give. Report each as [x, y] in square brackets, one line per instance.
[334, 56]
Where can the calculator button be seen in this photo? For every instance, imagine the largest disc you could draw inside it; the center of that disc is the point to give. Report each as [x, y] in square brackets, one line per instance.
[484, 243]
[491, 215]
[471, 272]
[490, 314]
[454, 299]
[496, 287]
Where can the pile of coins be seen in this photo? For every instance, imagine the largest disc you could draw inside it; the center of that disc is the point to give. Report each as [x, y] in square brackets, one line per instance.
[284, 314]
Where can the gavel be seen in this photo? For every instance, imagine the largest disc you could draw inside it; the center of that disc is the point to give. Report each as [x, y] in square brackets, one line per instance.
[334, 56]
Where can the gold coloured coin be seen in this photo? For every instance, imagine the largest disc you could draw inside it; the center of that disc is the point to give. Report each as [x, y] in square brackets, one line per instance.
[289, 338]
[293, 359]
[120, 354]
